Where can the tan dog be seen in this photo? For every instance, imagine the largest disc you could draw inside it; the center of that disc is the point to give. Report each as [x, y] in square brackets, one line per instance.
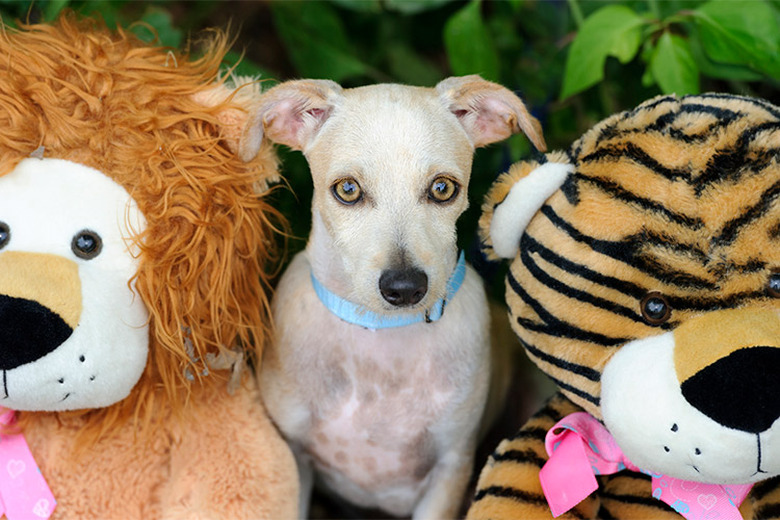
[381, 367]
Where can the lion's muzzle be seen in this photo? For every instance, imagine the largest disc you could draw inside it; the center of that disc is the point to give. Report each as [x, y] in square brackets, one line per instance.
[40, 305]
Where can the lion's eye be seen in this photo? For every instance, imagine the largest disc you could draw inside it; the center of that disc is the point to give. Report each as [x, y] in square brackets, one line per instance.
[86, 244]
[655, 308]
[347, 191]
[5, 234]
[443, 189]
[773, 286]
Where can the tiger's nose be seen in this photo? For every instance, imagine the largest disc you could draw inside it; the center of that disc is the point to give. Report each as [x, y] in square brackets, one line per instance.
[728, 365]
[740, 391]
[403, 287]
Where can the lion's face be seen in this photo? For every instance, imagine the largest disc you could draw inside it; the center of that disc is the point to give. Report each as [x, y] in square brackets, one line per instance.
[74, 334]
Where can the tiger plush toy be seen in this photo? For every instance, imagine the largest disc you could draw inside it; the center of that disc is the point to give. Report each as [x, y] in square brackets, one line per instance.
[644, 281]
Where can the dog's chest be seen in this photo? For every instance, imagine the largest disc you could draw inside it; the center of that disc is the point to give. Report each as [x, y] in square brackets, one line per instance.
[383, 401]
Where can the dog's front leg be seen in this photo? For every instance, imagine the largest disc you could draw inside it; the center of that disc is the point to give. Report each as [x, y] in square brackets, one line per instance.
[449, 479]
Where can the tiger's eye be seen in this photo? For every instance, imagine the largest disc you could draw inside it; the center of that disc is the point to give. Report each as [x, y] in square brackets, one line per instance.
[443, 189]
[655, 308]
[86, 244]
[347, 191]
[773, 286]
[5, 234]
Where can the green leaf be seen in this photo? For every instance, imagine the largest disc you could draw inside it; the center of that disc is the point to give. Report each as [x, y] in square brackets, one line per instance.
[413, 6]
[52, 8]
[407, 66]
[741, 33]
[369, 6]
[614, 30]
[673, 66]
[470, 49]
[162, 21]
[316, 42]
[713, 69]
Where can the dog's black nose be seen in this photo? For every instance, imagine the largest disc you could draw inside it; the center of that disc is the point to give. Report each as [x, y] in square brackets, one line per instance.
[740, 391]
[401, 287]
[28, 331]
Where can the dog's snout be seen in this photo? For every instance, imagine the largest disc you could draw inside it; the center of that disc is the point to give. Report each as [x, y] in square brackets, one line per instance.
[403, 287]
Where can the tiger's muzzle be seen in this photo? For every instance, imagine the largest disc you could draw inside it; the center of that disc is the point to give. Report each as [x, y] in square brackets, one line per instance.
[728, 366]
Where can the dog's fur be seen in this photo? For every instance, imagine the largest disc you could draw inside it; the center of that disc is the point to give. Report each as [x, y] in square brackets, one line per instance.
[387, 418]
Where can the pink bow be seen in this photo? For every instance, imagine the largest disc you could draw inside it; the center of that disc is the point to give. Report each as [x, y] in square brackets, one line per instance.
[24, 493]
[580, 447]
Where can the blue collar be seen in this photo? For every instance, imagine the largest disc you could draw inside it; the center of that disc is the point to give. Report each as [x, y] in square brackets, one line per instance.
[357, 315]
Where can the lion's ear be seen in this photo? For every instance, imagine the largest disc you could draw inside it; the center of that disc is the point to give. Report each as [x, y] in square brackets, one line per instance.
[243, 94]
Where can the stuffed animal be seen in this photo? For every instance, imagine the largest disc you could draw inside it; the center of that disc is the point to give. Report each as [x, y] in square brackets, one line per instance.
[134, 248]
[644, 281]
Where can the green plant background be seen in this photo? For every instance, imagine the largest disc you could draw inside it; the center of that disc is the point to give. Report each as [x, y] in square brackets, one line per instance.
[573, 62]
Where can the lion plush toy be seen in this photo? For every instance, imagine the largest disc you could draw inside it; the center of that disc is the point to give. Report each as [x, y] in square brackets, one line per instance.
[134, 246]
[644, 281]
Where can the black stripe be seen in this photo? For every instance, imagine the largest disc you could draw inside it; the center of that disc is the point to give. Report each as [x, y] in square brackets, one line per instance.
[774, 231]
[647, 501]
[512, 493]
[769, 511]
[618, 192]
[723, 116]
[521, 457]
[604, 513]
[636, 154]
[552, 326]
[731, 229]
[757, 102]
[763, 488]
[581, 370]
[527, 433]
[576, 391]
[576, 294]
[731, 164]
[627, 251]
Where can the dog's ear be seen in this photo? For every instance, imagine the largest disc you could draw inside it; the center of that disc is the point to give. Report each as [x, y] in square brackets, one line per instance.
[488, 111]
[291, 113]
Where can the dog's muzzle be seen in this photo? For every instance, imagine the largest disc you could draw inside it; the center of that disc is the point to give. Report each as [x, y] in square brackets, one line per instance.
[728, 365]
[40, 305]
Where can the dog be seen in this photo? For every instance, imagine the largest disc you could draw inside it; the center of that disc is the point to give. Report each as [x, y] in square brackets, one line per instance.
[381, 365]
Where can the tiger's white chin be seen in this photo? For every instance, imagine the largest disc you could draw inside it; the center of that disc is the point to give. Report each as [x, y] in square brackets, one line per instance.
[659, 431]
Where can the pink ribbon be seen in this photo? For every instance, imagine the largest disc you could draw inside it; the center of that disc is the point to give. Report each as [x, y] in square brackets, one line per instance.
[24, 493]
[580, 447]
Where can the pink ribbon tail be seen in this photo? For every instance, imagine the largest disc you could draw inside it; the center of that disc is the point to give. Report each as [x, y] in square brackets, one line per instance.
[580, 447]
[24, 494]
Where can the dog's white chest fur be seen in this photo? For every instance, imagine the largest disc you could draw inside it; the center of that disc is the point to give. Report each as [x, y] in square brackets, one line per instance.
[374, 410]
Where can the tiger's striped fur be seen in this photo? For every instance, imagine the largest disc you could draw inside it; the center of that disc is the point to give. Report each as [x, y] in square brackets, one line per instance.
[680, 196]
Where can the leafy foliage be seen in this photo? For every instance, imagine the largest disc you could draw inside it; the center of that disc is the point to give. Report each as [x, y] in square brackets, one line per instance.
[574, 62]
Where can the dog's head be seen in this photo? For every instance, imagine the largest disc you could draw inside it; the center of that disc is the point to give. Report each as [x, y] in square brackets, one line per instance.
[646, 276]
[132, 238]
[391, 167]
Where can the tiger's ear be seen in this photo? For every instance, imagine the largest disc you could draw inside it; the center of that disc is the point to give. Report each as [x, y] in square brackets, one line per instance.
[514, 200]
[488, 112]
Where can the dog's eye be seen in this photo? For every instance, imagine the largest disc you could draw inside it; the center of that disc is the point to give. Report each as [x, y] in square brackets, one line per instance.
[773, 286]
[86, 244]
[655, 309]
[443, 189]
[5, 234]
[347, 191]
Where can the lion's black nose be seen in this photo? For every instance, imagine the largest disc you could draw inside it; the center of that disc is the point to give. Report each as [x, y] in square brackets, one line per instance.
[28, 331]
[740, 391]
[402, 287]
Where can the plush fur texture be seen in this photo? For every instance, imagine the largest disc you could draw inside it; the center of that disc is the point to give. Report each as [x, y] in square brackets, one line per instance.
[166, 127]
[677, 199]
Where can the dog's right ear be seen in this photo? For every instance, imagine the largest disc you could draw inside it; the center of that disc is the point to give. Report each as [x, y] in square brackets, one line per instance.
[291, 113]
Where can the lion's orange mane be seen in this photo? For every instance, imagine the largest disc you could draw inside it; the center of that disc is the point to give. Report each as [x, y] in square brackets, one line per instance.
[108, 100]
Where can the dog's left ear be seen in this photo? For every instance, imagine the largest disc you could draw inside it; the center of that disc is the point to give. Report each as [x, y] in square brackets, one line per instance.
[488, 111]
